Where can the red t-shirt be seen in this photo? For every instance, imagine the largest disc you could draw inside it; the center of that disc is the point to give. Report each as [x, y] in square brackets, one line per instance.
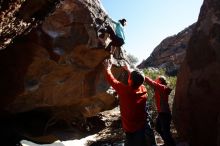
[132, 104]
[161, 95]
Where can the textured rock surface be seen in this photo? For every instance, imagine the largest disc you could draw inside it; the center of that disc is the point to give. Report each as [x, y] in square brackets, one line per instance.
[169, 54]
[58, 65]
[196, 103]
[20, 16]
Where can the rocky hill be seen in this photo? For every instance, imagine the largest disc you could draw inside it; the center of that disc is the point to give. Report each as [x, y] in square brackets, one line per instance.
[169, 54]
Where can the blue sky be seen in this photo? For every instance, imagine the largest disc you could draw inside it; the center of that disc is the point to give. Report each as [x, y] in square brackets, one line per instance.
[151, 21]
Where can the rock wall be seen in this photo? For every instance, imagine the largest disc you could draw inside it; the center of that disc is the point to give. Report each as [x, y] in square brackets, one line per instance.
[19, 17]
[58, 65]
[170, 53]
[196, 103]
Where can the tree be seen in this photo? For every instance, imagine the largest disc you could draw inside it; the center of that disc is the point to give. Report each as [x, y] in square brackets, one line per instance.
[132, 59]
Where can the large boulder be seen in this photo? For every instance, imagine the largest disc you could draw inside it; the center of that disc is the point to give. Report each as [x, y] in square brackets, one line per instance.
[58, 65]
[18, 17]
[196, 103]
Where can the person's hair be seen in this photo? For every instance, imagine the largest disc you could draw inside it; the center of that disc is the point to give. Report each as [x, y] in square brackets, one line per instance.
[162, 80]
[137, 79]
[122, 21]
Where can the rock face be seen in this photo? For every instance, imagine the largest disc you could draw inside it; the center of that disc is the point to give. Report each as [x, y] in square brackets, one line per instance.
[169, 54]
[196, 103]
[58, 65]
[15, 20]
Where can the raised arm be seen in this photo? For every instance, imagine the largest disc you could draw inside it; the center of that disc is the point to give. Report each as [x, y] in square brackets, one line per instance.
[154, 84]
[110, 19]
[150, 81]
[127, 67]
[109, 76]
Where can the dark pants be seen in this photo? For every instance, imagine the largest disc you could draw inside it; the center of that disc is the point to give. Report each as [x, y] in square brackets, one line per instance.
[143, 137]
[150, 134]
[136, 138]
[163, 128]
[116, 41]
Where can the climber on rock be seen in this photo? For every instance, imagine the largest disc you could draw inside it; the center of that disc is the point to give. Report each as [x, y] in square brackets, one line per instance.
[117, 35]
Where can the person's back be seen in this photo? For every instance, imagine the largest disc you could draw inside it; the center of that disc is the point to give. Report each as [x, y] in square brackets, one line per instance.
[119, 29]
[164, 117]
[117, 35]
[161, 95]
[132, 101]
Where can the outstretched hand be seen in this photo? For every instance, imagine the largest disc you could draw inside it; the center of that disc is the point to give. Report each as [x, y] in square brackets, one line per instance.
[127, 67]
[107, 63]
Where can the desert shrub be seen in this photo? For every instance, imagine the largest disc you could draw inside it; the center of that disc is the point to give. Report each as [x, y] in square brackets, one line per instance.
[133, 59]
